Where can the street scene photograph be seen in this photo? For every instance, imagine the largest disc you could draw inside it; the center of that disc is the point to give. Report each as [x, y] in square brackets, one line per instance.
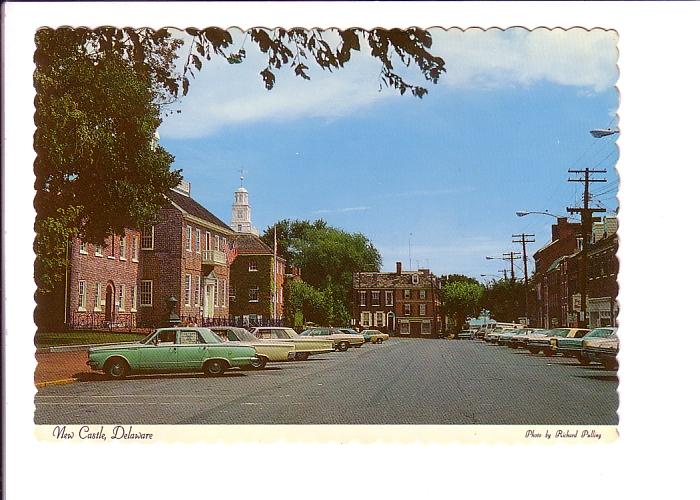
[364, 226]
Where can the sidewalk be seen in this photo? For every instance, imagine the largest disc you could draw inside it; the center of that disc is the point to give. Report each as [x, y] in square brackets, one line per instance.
[54, 368]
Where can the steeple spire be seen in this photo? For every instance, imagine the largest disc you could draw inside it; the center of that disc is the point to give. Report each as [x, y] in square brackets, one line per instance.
[241, 211]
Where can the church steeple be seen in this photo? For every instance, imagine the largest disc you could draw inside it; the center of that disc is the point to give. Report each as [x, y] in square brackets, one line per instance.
[241, 212]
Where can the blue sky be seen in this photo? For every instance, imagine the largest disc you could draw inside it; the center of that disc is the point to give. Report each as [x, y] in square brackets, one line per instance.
[495, 135]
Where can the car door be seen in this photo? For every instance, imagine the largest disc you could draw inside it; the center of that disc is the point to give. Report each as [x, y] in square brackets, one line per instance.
[191, 350]
[160, 353]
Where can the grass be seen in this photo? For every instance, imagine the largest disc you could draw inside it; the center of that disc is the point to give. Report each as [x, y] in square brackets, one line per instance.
[51, 339]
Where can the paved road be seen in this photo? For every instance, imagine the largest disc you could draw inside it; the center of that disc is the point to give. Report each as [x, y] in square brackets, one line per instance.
[406, 381]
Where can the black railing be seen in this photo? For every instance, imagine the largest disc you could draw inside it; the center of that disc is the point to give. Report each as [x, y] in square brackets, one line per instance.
[99, 321]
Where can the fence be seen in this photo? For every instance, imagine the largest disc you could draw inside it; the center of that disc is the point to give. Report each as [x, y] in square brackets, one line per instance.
[98, 321]
[239, 321]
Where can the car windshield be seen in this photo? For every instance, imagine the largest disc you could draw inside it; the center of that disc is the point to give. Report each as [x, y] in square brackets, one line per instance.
[245, 335]
[600, 332]
[559, 332]
[148, 337]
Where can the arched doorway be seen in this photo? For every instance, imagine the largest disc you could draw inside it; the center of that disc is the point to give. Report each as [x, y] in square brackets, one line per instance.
[109, 304]
[391, 322]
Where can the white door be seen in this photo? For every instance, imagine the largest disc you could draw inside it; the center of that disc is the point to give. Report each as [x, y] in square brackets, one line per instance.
[208, 301]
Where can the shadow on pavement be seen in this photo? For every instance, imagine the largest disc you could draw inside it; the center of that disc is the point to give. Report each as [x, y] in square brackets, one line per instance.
[99, 377]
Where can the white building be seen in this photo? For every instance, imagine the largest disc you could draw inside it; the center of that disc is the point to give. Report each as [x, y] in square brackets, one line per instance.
[241, 213]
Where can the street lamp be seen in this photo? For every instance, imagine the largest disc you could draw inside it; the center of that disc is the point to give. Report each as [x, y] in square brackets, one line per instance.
[523, 213]
[603, 132]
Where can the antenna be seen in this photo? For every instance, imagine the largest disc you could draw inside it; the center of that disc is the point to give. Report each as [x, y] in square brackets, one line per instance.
[410, 266]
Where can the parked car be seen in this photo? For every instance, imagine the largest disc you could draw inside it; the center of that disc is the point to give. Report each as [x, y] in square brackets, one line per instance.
[518, 339]
[351, 331]
[303, 346]
[492, 335]
[375, 336]
[542, 341]
[182, 349]
[573, 347]
[341, 341]
[504, 337]
[466, 334]
[266, 350]
[602, 350]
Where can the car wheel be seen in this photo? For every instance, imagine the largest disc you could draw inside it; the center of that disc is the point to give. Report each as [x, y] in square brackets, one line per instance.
[214, 368]
[610, 364]
[379, 341]
[548, 352]
[301, 356]
[259, 363]
[116, 368]
[583, 360]
[533, 350]
[343, 346]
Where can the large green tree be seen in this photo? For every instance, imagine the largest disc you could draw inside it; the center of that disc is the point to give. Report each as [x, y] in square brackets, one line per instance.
[505, 299]
[327, 257]
[461, 298]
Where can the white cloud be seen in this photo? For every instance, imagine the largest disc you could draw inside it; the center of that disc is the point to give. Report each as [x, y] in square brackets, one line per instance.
[223, 95]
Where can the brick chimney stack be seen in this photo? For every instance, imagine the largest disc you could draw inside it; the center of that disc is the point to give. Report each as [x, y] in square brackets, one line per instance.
[398, 268]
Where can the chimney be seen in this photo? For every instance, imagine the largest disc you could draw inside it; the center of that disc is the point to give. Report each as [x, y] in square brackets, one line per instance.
[398, 268]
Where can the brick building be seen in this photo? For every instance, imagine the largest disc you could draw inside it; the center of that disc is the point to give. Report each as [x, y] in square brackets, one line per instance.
[558, 286]
[126, 282]
[400, 302]
[553, 297]
[102, 286]
[255, 273]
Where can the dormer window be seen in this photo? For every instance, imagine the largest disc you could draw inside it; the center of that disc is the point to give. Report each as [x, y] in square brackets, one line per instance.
[414, 279]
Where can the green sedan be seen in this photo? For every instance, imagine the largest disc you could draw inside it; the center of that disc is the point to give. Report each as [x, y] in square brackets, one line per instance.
[181, 349]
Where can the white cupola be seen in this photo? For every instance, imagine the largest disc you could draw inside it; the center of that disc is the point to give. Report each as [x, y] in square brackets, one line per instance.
[241, 212]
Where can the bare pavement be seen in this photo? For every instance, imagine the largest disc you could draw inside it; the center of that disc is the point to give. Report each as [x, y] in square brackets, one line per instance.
[404, 381]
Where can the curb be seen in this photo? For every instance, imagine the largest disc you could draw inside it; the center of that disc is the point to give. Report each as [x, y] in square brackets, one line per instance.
[63, 381]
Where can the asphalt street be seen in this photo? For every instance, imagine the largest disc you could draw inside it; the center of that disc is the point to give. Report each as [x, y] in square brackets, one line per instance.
[403, 381]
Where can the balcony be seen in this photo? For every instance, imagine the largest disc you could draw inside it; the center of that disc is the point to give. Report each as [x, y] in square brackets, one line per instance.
[213, 257]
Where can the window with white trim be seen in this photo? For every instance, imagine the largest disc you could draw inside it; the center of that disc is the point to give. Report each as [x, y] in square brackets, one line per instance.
[389, 297]
[134, 297]
[425, 327]
[216, 242]
[146, 293]
[216, 293]
[414, 279]
[198, 285]
[147, 237]
[224, 244]
[407, 309]
[252, 266]
[375, 297]
[188, 289]
[363, 298]
[253, 294]
[120, 297]
[379, 319]
[134, 248]
[366, 319]
[207, 241]
[83, 248]
[422, 294]
[198, 240]
[188, 238]
[122, 248]
[407, 294]
[82, 298]
[421, 309]
[98, 250]
[98, 296]
[404, 327]
[224, 293]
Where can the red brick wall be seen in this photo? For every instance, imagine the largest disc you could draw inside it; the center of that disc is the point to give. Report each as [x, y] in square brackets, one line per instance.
[109, 270]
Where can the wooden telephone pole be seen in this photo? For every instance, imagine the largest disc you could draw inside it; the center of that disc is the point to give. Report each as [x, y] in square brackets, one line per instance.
[587, 229]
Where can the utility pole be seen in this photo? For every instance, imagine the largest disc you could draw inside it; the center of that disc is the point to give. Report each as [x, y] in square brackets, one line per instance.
[586, 228]
[505, 273]
[511, 256]
[523, 239]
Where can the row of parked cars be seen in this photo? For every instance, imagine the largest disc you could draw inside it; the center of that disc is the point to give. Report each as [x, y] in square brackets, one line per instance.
[218, 349]
[599, 345]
